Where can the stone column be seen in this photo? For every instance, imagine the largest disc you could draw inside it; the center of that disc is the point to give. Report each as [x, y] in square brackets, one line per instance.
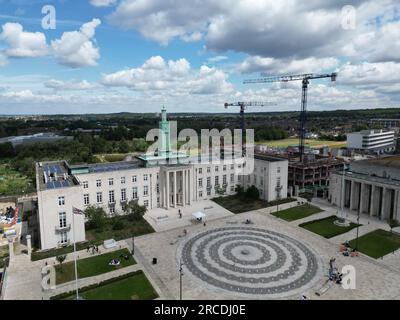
[395, 203]
[11, 249]
[184, 187]
[352, 185]
[189, 189]
[362, 197]
[167, 187]
[175, 195]
[29, 245]
[383, 209]
[373, 204]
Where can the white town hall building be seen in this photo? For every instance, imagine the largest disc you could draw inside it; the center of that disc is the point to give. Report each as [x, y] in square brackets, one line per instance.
[151, 180]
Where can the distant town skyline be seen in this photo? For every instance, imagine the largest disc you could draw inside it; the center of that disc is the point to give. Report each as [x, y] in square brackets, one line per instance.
[109, 56]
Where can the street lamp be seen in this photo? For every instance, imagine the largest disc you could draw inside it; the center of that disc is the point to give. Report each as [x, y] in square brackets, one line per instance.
[180, 278]
[133, 244]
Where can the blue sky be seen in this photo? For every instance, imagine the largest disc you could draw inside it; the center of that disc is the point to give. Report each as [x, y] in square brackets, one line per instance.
[136, 55]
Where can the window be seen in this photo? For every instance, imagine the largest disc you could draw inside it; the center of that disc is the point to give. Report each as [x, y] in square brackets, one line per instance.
[98, 183]
[122, 180]
[86, 199]
[110, 181]
[61, 201]
[200, 194]
[134, 193]
[112, 210]
[248, 178]
[85, 184]
[62, 217]
[200, 182]
[216, 180]
[63, 237]
[145, 177]
[208, 169]
[209, 192]
[146, 190]
[200, 170]
[111, 196]
[232, 188]
[278, 181]
[224, 168]
[208, 182]
[261, 181]
[232, 177]
[255, 179]
[146, 203]
[99, 196]
[134, 178]
[232, 166]
[278, 169]
[224, 179]
[158, 188]
[123, 194]
[216, 168]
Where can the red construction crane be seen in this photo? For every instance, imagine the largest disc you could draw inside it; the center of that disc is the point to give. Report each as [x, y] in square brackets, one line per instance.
[305, 81]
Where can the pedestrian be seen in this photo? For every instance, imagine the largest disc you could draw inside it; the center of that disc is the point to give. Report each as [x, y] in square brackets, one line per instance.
[180, 214]
[204, 224]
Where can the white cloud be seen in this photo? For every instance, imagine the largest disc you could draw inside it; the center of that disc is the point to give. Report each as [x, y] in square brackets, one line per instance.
[21, 43]
[216, 59]
[102, 3]
[60, 85]
[286, 66]
[76, 48]
[163, 20]
[172, 78]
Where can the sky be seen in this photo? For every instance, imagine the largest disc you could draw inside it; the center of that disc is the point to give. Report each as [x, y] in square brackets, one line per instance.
[105, 56]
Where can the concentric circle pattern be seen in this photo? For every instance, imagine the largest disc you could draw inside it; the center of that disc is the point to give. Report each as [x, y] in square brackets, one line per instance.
[250, 261]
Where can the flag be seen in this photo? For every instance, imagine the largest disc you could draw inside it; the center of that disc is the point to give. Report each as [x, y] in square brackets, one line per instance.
[77, 211]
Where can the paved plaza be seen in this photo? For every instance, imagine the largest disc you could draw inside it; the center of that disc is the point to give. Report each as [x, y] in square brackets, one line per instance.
[251, 261]
[269, 259]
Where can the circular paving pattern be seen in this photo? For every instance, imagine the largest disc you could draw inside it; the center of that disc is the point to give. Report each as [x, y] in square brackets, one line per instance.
[250, 261]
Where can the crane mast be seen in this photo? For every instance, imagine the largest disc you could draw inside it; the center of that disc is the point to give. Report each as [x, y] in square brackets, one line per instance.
[305, 79]
[242, 106]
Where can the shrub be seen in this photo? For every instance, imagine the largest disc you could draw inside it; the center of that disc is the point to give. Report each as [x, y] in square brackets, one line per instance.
[252, 192]
[118, 225]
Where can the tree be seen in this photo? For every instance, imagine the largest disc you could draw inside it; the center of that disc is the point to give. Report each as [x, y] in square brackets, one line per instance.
[6, 150]
[134, 210]
[252, 192]
[96, 217]
[61, 259]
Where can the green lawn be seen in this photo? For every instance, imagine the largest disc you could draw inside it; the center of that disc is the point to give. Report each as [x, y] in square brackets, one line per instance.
[326, 228]
[134, 287]
[12, 182]
[309, 142]
[130, 228]
[92, 266]
[297, 212]
[377, 243]
[238, 204]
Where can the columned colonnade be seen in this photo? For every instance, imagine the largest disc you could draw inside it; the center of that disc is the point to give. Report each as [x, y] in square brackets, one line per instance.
[374, 199]
[175, 186]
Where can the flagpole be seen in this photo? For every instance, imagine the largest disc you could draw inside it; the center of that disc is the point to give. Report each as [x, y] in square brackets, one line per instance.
[76, 267]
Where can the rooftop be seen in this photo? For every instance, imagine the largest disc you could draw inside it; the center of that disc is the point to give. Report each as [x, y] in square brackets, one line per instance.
[391, 161]
[54, 175]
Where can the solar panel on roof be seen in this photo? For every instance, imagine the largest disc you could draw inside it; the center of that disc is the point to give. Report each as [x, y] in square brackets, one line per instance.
[65, 183]
[57, 184]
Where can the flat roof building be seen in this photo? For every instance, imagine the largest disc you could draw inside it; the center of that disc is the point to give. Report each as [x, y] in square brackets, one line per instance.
[370, 187]
[377, 141]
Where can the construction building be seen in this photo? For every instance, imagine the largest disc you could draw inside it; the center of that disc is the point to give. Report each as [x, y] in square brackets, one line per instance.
[312, 175]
